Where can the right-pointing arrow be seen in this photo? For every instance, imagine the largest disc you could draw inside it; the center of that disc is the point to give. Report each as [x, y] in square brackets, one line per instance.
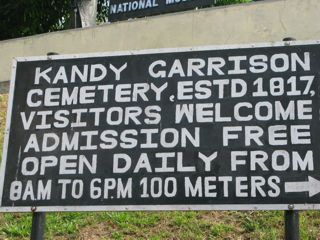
[312, 186]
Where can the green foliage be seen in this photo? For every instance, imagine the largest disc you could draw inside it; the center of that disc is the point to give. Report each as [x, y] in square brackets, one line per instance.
[264, 225]
[66, 223]
[27, 17]
[102, 11]
[22, 18]
[16, 226]
[220, 229]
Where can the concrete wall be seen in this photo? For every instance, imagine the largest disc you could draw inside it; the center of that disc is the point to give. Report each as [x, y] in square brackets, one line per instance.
[264, 21]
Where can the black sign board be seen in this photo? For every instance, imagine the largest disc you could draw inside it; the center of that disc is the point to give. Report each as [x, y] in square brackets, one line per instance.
[126, 9]
[204, 128]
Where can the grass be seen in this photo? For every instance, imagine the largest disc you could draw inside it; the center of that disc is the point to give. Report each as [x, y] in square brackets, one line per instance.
[187, 225]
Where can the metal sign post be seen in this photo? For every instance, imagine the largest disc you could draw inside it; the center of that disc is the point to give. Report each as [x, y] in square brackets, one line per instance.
[291, 225]
[38, 225]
